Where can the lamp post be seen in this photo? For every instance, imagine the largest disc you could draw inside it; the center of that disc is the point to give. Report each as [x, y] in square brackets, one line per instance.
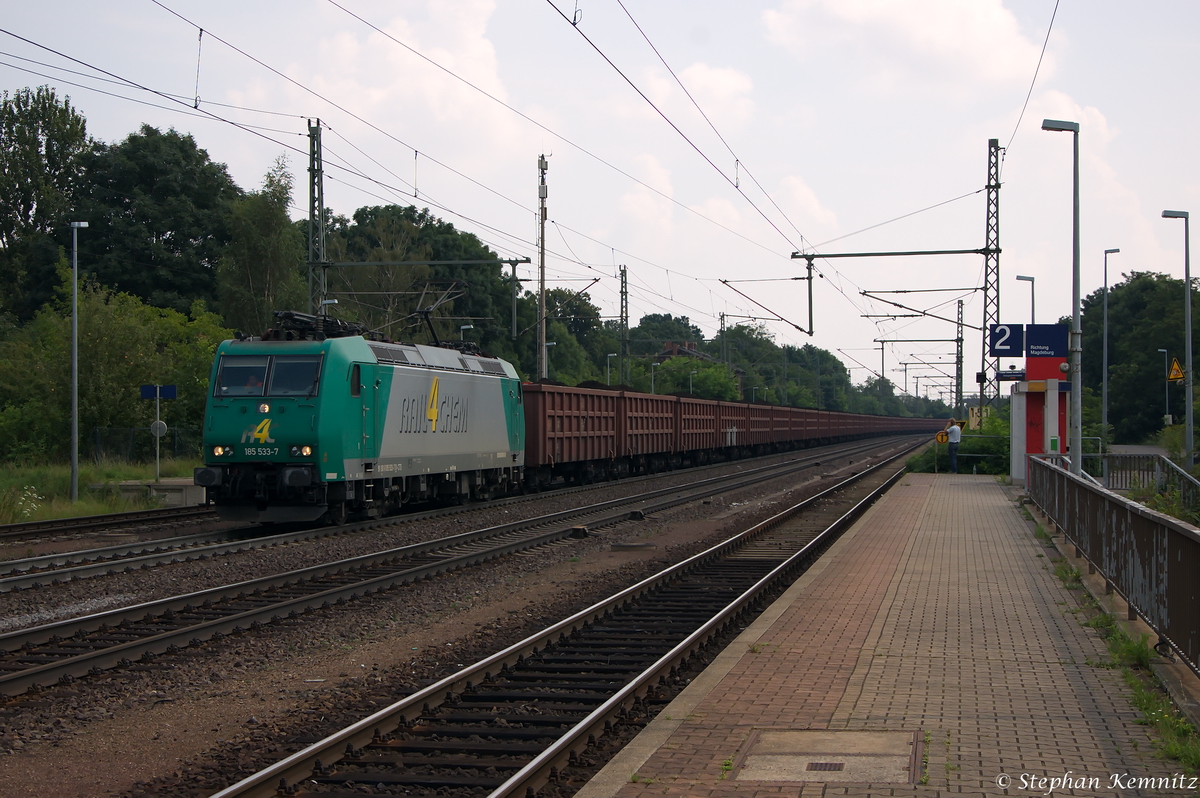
[1189, 453]
[462, 330]
[690, 375]
[653, 366]
[608, 367]
[1032, 298]
[1076, 348]
[753, 393]
[1166, 388]
[1104, 392]
[75, 358]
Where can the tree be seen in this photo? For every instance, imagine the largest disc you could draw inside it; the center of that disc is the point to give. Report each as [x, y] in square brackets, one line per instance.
[657, 329]
[1145, 314]
[480, 293]
[259, 271]
[157, 208]
[123, 343]
[42, 143]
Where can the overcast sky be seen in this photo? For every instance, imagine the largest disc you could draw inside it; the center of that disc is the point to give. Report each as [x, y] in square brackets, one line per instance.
[831, 117]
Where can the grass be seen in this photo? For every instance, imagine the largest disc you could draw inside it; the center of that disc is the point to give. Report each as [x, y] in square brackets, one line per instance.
[1177, 738]
[40, 493]
[925, 760]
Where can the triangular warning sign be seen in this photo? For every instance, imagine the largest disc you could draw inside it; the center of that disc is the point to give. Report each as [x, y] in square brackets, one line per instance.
[1176, 370]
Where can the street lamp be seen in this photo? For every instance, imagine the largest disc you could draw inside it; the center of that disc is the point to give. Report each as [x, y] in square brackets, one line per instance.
[1104, 400]
[463, 329]
[608, 367]
[653, 366]
[1166, 388]
[1076, 348]
[690, 375]
[1189, 452]
[75, 358]
[753, 393]
[1032, 299]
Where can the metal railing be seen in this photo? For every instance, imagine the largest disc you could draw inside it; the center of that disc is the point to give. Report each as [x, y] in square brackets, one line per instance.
[1149, 558]
[1129, 471]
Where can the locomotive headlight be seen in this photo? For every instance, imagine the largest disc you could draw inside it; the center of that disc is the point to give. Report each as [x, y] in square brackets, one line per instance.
[264, 408]
[222, 451]
[301, 451]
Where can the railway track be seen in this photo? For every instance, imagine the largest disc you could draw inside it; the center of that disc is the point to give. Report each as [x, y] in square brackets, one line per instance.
[97, 523]
[36, 572]
[521, 719]
[67, 650]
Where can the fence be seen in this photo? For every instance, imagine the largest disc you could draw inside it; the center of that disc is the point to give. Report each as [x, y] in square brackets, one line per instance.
[136, 444]
[1149, 558]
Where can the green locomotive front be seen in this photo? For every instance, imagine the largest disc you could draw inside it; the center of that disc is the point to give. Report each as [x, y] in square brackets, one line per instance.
[302, 427]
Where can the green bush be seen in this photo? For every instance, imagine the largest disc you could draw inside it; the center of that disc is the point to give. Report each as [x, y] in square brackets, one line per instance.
[984, 451]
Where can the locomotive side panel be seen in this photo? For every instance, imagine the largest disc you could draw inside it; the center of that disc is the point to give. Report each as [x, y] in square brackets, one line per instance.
[440, 421]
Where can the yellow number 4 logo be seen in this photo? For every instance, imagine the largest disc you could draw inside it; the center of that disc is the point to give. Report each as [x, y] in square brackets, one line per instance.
[431, 412]
[262, 433]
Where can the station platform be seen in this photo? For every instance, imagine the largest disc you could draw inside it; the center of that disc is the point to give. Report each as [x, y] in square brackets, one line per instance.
[931, 651]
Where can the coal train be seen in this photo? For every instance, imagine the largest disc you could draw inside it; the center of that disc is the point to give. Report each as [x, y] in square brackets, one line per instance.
[313, 420]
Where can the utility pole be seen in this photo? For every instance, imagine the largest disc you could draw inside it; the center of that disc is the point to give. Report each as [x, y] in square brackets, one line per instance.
[541, 337]
[316, 218]
[724, 344]
[958, 365]
[989, 389]
[515, 286]
[625, 376]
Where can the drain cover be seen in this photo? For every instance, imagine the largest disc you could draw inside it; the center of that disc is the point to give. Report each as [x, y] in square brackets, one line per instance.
[829, 756]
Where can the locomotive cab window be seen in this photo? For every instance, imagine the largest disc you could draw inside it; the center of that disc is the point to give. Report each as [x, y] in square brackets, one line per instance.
[294, 375]
[356, 380]
[241, 375]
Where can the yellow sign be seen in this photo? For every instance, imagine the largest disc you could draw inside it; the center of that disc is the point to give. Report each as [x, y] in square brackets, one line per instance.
[942, 437]
[1176, 371]
[431, 410]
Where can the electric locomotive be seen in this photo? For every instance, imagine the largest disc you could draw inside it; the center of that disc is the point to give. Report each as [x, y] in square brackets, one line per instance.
[313, 420]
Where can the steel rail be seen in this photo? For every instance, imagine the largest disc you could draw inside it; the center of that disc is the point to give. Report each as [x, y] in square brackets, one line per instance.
[107, 521]
[35, 572]
[69, 667]
[283, 776]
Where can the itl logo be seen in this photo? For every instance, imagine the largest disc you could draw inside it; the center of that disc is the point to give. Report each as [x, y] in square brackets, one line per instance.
[260, 433]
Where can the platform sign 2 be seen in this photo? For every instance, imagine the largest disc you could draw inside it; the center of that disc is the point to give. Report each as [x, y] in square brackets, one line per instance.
[1006, 340]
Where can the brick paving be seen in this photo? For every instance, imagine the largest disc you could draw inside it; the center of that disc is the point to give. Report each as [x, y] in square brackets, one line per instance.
[938, 614]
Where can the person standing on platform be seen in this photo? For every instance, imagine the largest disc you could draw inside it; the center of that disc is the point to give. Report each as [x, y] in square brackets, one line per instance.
[954, 437]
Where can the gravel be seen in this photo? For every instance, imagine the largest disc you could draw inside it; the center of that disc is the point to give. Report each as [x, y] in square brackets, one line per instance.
[188, 723]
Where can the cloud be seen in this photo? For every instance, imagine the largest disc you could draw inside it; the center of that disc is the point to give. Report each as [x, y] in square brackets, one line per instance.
[650, 215]
[804, 208]
[722, 93]
[973, 41]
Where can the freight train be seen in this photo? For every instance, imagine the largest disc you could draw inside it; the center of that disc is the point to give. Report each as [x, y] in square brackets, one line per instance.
[315, 421]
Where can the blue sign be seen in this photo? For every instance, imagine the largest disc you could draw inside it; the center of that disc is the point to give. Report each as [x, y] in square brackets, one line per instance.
[1046, 340]
[164, 392]
[1006, 340]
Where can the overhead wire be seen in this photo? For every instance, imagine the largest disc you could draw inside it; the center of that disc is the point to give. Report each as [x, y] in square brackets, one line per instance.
[1033, 82]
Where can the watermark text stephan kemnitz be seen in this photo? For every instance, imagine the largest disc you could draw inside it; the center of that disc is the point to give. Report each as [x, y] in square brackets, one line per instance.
[1048, 785]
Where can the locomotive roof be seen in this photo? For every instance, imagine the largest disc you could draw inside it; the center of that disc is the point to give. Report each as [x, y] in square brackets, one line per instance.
[357, 347]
